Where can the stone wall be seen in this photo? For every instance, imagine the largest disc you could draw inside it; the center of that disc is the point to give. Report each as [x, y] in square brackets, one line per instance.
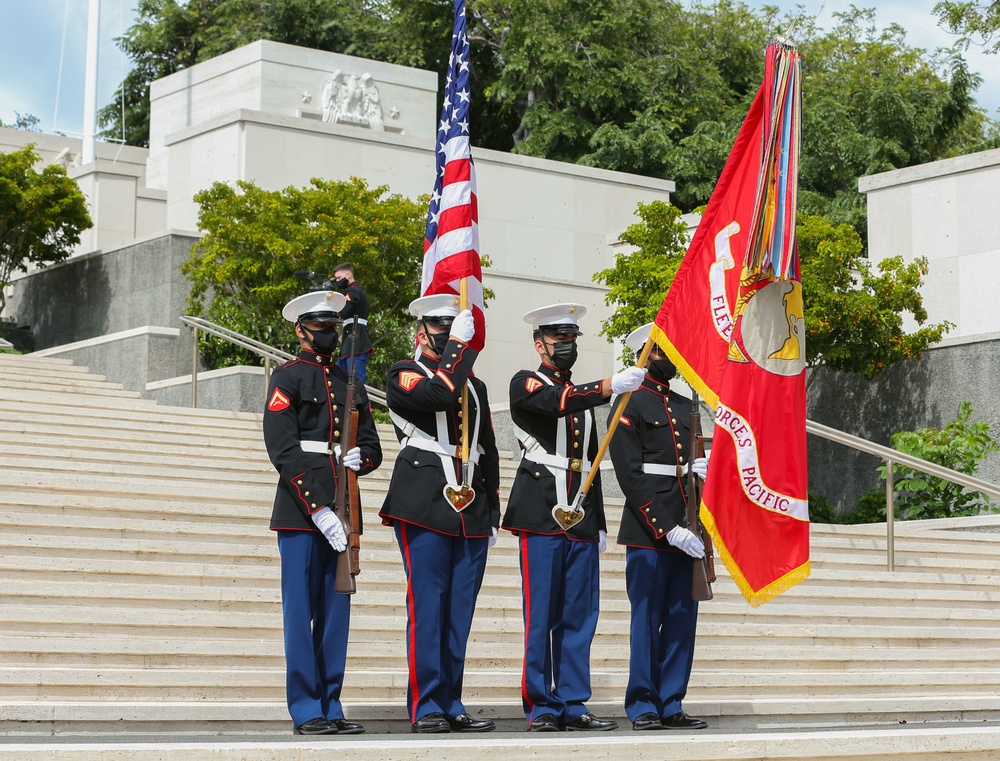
[104, 292]
[909, 396]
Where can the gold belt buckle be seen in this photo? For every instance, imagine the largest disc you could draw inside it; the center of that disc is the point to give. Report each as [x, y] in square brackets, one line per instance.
[576, 465]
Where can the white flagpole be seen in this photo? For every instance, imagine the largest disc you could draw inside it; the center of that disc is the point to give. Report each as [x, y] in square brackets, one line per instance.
[89, 152]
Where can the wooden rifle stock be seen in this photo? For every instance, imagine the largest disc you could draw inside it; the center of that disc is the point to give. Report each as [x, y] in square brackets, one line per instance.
[348, 501]
[704, 568]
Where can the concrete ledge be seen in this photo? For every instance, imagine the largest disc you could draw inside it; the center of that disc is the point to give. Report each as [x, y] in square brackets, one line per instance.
[956, 165]
[129, 357]
[239, 388]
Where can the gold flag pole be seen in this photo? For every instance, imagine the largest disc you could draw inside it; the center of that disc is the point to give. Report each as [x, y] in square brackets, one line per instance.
[612, 426]
[463, 304]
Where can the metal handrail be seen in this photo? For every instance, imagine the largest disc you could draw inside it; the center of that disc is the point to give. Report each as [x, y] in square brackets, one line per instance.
[267, 352]
[893, 457]
[890, 456]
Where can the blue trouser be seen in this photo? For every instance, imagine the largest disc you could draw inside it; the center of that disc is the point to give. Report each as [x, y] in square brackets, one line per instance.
[360, 366]
[561, 598]
[661, 633]
[316, 621]
[443, 576]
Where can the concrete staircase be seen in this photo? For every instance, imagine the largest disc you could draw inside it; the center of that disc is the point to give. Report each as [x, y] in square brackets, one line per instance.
[141, 600]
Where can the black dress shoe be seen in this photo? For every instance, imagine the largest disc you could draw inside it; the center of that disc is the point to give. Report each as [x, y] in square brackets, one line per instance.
[345, 727]
[431, 722]
[317, 726]
[647, 721]
[545, 722]
[465, 723]
[590, 723]
[683, 721]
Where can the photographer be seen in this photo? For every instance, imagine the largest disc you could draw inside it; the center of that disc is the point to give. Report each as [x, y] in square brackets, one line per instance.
[354, 342]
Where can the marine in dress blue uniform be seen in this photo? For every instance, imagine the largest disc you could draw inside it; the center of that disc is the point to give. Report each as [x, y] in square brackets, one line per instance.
[302, 425]
[443, 530]
[650, 442]
[554, 422]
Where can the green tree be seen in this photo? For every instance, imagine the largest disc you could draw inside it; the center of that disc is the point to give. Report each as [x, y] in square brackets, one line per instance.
[872, 103]
[42, 214]
[168, 36]
[976, 22]
[26, 122]
[639, 279]
[243, 271]
[853, 314]
[961, 445]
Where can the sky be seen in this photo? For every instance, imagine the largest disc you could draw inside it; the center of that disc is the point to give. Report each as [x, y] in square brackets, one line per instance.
[43, 52]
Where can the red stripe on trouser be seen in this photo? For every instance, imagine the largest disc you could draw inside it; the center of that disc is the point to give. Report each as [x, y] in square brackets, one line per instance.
[526, 579]
[411, 659]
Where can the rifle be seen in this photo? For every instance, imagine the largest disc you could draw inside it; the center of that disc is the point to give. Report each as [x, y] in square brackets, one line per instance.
[347, 505]
[704, 568]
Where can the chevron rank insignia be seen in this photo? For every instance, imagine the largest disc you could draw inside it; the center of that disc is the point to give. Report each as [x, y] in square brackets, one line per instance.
[408, 379]
[278, 401]
[532, 385]
[625, 421]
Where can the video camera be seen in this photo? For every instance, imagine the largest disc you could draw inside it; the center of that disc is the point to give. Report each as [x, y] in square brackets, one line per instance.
[325, 283]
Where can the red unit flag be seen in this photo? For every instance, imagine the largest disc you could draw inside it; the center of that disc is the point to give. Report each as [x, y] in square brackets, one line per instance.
[733, 323]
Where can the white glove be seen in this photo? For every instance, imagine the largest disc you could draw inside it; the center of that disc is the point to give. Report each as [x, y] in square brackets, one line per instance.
[628, 379]
[493, 539]
[328, 522]
[685, 541]
[700, 467]
[463, 328]
[602, 542]
[352, 459]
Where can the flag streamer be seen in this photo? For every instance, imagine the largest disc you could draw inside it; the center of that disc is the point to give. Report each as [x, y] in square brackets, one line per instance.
[772, 248]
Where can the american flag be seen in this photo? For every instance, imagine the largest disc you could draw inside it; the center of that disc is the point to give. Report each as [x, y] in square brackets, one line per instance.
[451, 243]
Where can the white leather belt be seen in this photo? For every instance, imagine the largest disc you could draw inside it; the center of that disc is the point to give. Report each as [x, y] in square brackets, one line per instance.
[317, 447]
[350, 321]
[656, 469]
[419, 439]
[431, 445]
[555, 461]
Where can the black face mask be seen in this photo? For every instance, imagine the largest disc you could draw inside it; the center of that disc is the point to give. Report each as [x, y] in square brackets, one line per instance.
[342, 283]
[438, 340]
[564, 355]
[662, 369]
[323, 341]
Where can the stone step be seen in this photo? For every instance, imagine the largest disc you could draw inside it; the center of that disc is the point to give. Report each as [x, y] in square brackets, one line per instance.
[504, 627]
[79, 649]
[479, 686]
[55, 393]
[115, 419]
[381, 586]
[39, 363]
[30, 380]
[964, 743]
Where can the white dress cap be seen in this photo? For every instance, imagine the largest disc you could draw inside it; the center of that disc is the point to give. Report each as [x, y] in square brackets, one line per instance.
[557, 315]
[440, 305]
[313, 302]
[638, 337]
